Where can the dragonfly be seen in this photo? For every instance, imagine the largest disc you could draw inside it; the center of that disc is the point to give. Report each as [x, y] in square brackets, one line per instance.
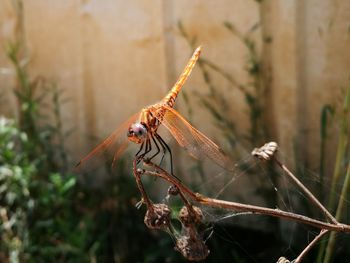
[142, 129]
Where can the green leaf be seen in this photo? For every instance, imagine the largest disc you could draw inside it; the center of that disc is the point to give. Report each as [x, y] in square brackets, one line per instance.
[56, 179]
[68, 185]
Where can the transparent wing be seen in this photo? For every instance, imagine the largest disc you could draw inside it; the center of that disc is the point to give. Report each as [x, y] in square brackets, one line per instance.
[109, 151]
[196, 143]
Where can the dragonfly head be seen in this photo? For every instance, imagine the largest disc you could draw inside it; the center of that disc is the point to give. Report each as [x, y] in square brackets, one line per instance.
[137, 132]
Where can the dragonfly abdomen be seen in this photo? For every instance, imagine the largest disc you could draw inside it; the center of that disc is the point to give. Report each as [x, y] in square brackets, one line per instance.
[171, 96]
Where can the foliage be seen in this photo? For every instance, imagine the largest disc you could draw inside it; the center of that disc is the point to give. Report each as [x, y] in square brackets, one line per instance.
[37, 194]
[341, 174]
[30, 206]
[57, 217]
[327, 110]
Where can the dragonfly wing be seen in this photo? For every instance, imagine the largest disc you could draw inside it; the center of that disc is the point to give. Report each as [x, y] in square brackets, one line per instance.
[109, 150]
[196, 143]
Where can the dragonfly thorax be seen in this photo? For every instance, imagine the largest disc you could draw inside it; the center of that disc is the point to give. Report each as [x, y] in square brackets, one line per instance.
[137, 132]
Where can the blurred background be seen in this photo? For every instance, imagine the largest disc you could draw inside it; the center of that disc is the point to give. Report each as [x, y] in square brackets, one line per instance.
[72, 71]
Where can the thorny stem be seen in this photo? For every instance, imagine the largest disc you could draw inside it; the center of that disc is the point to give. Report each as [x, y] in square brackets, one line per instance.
[310, 245]
[306, 191]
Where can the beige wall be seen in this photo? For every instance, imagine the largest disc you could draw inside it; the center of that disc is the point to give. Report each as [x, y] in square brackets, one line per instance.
[113, 57]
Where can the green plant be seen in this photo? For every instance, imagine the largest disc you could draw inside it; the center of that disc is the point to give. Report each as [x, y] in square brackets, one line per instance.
[30, 205]
[38, 196]
[15, 173]
[324, 122]
[341, 176]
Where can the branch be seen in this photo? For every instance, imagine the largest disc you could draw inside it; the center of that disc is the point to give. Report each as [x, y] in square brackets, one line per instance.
[307, 192]
[310, 245]
[234, 206]
[191, 244]
[266, 153]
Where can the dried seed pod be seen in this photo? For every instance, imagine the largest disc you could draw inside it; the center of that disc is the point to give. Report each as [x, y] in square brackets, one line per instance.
[140, 171]
[265, 152]
[283, 260]
[173, 190]
[158, 217]
[189, 217]
[192, 248]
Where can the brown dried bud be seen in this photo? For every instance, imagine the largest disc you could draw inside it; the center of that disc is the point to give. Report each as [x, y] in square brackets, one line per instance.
[173, 190]
[266, 151]
[140, 171]
[158, 217]
[189, 217]
[283, 260]
[192, 248]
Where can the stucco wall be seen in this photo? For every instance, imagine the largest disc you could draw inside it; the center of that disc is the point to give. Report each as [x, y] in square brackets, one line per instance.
[114, 57]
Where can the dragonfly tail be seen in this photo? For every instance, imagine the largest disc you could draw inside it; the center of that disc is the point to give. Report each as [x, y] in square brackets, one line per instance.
[171, 96]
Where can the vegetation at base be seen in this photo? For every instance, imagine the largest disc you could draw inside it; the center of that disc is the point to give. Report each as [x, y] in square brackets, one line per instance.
[340, 180]
[52, 215]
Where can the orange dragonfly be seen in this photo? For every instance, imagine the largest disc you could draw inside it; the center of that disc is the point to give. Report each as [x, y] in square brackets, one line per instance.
[142, 129]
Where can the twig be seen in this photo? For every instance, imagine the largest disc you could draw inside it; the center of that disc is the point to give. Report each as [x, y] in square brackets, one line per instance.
[144, 195]
[234, 206]
[310, 245]
[267, 152]
[307, 192]
[264, 153]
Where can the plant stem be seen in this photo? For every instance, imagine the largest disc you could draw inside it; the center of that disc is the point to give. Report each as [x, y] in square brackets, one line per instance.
[307, 192]
[271, 212]
[234, 206]
[145, 198]
[342, 143]
[326, 110]
[331, 241]
[310, 245]
[226, 75]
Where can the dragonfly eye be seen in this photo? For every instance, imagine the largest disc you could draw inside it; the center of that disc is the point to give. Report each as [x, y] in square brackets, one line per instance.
[137, 132]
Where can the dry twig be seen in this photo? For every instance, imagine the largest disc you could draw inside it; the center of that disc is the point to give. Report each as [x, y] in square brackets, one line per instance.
[191, 245]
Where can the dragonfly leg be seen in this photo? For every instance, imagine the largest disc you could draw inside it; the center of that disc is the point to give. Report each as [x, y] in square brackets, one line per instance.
[162, 142]
[141, 147]
[158, 149]
[138, 153]
[163, 148]
[148, 148]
